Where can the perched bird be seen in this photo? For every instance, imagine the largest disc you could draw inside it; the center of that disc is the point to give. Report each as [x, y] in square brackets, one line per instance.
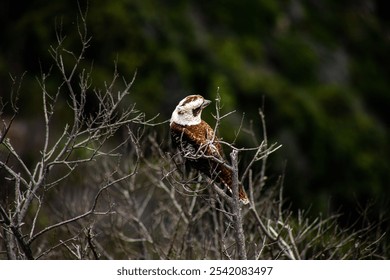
[198, 143]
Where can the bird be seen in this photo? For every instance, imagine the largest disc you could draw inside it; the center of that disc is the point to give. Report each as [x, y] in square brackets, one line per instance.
[197, 142]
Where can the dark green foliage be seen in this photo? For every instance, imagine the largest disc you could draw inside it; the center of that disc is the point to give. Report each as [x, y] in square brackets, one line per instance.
[321, 67]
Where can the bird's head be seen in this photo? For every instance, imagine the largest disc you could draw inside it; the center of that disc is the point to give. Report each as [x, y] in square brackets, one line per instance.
[189, 110]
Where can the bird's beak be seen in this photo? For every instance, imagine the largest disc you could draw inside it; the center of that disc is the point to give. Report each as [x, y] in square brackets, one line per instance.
[205, 103]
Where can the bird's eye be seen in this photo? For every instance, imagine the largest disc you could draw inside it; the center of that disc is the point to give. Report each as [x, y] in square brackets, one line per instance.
[196, 111]
[181, 112]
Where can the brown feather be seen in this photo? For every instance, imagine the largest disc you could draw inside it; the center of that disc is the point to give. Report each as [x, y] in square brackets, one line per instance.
[199, 144]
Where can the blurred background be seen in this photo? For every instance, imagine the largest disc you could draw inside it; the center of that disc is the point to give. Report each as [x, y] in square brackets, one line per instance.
[318, 68]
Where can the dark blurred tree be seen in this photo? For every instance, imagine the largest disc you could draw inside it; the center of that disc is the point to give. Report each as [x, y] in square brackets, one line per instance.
[321, 67]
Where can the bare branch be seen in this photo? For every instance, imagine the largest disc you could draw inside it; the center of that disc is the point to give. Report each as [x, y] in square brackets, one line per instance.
[236, 210]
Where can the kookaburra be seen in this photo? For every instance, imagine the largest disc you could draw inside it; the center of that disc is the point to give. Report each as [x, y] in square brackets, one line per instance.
[198, 143]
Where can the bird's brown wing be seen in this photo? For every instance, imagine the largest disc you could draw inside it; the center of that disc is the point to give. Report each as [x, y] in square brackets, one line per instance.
[225, 175]
[214, 145]
[201, 142]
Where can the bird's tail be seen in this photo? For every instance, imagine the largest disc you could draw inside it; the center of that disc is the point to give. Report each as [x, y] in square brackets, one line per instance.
[242, 195]
[225, 177]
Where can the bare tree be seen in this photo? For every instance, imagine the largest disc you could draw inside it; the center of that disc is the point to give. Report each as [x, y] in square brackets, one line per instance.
[264, 229]
[106, 185]
[81, 142]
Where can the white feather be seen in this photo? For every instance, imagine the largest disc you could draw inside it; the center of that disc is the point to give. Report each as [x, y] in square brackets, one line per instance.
[183, 113]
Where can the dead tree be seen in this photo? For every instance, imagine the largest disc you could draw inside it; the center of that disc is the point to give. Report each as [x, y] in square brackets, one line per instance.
[80, 142]
[137, 201]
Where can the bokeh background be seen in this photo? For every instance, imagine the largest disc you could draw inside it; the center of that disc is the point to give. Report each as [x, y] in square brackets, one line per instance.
[319, 69]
